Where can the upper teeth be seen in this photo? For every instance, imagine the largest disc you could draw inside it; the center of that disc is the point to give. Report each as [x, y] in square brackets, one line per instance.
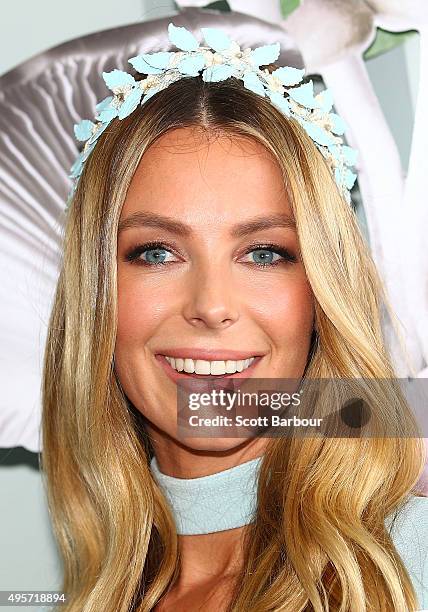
[200, 366]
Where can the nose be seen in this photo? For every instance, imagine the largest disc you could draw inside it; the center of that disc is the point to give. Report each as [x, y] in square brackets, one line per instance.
[211, 301]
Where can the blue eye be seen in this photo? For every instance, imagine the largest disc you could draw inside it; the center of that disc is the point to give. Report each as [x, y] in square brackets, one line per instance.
[148, 254]
[156, 254]
[265, 256]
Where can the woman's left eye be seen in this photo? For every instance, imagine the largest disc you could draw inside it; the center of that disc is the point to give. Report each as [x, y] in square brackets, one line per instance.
[156, 255]
[265, 257]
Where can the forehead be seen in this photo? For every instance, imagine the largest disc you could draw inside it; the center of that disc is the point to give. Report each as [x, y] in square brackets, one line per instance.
[206, 180]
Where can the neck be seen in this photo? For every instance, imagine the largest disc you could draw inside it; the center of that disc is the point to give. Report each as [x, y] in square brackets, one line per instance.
[208, 504]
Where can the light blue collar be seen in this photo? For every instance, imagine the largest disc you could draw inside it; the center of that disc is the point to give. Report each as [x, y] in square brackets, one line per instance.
[217, 502]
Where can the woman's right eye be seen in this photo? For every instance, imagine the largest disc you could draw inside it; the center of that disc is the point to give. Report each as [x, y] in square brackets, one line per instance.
[155, 254]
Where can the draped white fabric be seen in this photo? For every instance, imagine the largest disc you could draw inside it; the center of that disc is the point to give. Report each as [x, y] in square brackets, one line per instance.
[39, 103]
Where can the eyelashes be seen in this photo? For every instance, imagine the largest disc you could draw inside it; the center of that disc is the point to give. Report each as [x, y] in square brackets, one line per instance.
[133, 255]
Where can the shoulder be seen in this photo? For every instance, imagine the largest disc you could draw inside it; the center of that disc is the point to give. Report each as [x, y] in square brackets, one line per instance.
[409, 531]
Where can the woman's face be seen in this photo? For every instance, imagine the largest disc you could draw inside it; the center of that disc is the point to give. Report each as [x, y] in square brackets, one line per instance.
[211, 292]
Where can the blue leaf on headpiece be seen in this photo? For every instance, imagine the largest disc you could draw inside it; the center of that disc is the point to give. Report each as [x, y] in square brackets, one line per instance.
[83, 130]
[261, 56]
[191, 64]
[350, 155]
[338, 124]
[344, 154]
[252, 82]
[149, 93]
[76, 168]
[325, 100]
[160, 59]
[117, 78]
[218, 72]
[70, 197]
[182, 38]
[318, 134]
[338, 176]
[278, 100]
[104, 104]
[107, 114]
[304, 95]
[216, 39]
[336, 151]
[350, 178]
[95, 137]
[130, 103]
[288, 75]
[151, 63]
[88, 150]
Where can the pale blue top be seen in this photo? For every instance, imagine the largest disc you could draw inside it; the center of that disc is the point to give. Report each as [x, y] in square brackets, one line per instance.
[410, 536]
[227, 499]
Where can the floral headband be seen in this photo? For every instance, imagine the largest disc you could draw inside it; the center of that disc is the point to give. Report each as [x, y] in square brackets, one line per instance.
[220, 60]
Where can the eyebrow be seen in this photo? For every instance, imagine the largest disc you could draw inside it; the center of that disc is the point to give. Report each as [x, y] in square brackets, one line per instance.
[261, 222]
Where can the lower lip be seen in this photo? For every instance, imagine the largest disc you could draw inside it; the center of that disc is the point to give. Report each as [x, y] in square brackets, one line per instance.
[183, 376]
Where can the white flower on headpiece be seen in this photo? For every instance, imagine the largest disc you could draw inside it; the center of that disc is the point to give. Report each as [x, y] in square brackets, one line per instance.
[222, 45]
[150, 81]
[119, 81]
[176, 59]
[274, 83]
[208, 57]
[123, 91]
[298, 109]
[235, 56]
[218, 58]
[116, 102]
[234, 48]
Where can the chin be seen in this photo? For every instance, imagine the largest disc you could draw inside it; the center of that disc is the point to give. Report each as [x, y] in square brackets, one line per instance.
[213, 444]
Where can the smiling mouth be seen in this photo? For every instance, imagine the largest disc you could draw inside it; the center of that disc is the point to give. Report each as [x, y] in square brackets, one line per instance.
[182, 374]
[194, 375]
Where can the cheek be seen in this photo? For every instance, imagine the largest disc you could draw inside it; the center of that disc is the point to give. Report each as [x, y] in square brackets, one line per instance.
[290, 303]
[288, 313]
[139, 311]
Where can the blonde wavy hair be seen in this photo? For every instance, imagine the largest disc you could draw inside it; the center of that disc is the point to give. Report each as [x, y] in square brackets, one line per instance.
[114, 528]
